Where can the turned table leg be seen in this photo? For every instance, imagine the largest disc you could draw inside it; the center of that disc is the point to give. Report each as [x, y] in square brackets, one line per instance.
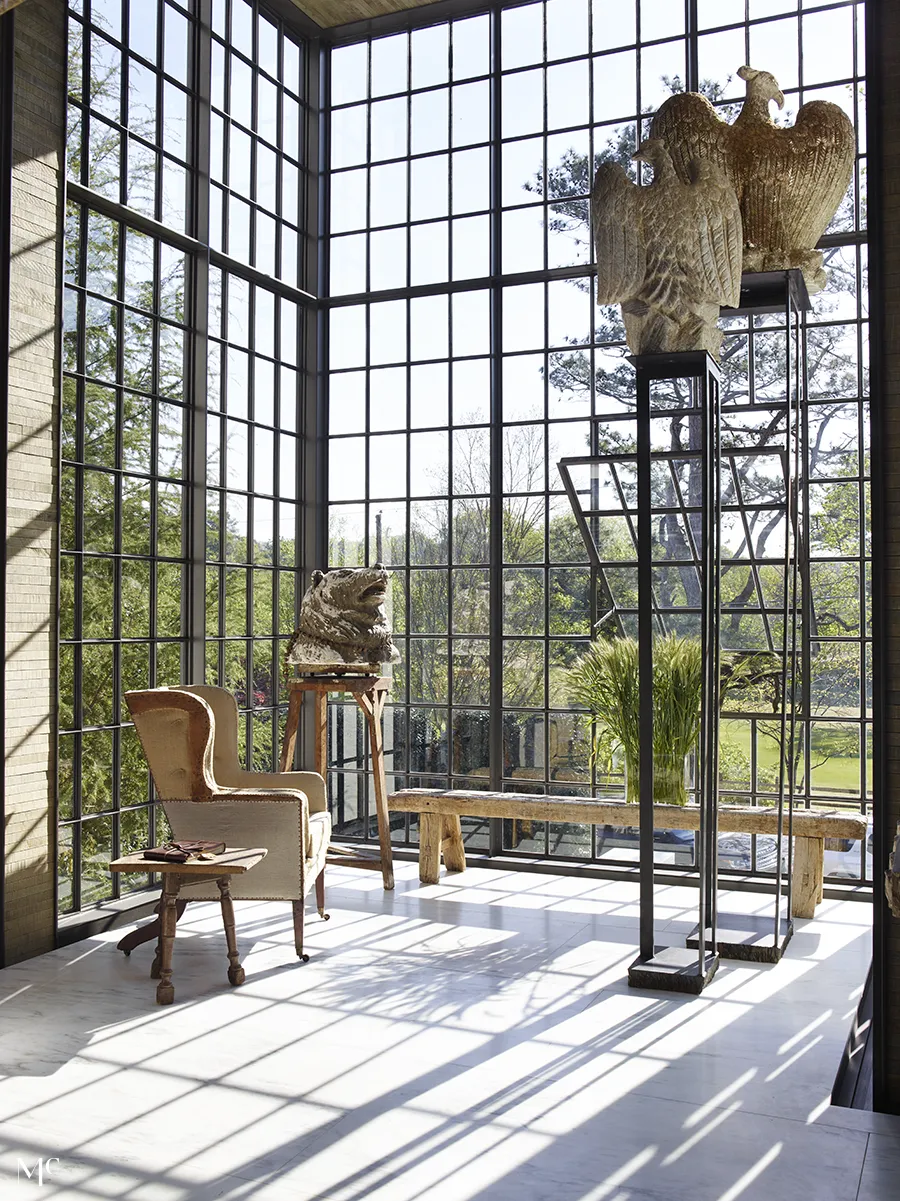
[235, 971]
[162, 964]
[452, 847]
[147, 933]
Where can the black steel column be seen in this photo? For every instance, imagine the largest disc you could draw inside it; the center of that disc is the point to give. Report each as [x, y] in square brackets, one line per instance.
[878, 84]
[496, 472]
[645, 663]
[311, 533]
[198, 307]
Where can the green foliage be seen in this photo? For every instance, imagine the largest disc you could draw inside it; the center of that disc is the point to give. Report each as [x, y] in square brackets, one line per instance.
[605, 681]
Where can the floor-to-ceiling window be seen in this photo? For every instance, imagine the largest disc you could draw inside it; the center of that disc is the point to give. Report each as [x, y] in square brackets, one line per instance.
[182, 391]
[467, 356]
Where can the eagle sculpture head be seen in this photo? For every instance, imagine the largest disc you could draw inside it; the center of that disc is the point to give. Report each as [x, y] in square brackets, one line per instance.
[761, 85]
[653, 151]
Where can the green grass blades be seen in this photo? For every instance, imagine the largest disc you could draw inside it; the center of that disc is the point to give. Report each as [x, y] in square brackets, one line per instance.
[605, 681]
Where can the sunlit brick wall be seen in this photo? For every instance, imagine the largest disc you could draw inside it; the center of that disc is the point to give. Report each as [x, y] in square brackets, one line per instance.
[38, 133]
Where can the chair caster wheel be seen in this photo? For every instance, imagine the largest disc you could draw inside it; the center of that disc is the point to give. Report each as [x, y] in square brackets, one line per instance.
[235, 976]
[324, 916]
[303, 958]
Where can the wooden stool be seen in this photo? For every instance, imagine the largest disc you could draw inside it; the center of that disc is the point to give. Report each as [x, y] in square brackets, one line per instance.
[370, 693]
[232, 862]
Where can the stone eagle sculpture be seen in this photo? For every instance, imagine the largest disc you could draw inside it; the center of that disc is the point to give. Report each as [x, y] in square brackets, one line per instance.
[670, 253]
[789, 182]
[343, 626]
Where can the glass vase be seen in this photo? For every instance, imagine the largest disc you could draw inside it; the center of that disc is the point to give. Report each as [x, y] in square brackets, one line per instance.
[670, 773]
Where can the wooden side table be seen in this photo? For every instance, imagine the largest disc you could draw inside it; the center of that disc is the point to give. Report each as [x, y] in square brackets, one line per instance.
[232, 862]
[370, 693]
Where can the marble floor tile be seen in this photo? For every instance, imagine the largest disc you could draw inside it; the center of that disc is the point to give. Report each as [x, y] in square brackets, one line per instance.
[474, 1040]
[880, 1180]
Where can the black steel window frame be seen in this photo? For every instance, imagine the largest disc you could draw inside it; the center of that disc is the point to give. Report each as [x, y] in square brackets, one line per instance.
[192, 240]
[494, 281]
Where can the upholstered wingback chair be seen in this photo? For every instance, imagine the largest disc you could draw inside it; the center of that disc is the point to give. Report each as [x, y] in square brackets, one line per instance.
[190, 739]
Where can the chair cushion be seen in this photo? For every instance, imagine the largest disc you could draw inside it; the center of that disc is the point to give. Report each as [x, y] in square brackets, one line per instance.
[319, 832]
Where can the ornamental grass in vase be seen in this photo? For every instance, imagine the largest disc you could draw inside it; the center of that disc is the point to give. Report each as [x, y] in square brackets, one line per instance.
[605, 682]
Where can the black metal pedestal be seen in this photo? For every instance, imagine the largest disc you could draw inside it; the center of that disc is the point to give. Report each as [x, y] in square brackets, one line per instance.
[746, 936]
[674, 969]
[763, 938]
[665, 493]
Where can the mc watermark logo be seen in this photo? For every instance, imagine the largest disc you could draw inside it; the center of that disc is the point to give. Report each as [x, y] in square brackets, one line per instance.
[39, 1171]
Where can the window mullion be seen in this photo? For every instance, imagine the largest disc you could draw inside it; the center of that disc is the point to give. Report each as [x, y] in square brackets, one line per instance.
[194, 619]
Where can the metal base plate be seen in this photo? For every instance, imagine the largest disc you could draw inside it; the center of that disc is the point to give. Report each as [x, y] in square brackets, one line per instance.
[747, 936]
[673, 969]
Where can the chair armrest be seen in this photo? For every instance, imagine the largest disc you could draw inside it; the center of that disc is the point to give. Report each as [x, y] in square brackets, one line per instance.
[252, 819]
[308, 782]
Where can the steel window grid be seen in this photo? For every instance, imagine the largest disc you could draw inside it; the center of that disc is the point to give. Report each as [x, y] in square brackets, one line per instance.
[497, 281]
[117, 557]
[248, 127]
[193, 241]
[309, 453]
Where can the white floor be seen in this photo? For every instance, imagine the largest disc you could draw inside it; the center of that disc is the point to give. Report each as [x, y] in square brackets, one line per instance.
[470, 1041]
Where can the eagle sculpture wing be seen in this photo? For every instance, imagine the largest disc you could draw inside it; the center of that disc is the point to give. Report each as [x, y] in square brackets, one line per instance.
[618, 235]
[823, 148]
[690, 128]
[717, 219]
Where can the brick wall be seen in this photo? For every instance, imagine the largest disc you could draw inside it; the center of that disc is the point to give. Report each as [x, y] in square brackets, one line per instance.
[38, 154]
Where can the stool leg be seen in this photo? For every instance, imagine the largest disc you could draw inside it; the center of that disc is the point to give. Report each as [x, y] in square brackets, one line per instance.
[235, 971]
[320, 896]
[373, 710]
[165, 990]
[290, 731]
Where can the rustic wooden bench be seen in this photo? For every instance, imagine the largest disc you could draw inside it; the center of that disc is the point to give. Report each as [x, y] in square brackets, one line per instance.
[440, 834]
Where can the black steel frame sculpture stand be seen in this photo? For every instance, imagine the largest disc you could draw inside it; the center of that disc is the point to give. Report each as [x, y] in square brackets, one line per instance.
[677, 969]
[621, 486]
[762, 937]
[625, 486]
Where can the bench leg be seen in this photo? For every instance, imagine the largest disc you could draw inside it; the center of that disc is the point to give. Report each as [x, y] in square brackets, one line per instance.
[809, 857]
[430, 847]
[452, 847]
